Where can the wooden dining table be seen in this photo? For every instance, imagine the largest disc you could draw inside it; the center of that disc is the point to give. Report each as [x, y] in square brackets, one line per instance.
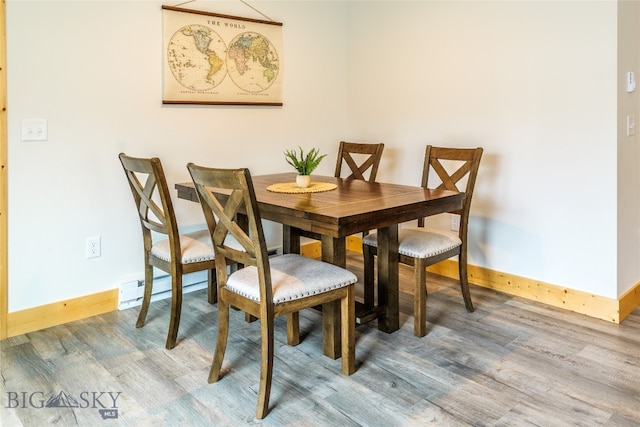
[353, 206]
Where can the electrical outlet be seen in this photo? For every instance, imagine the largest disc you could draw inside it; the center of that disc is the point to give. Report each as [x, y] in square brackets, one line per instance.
[455, 222]
[93, 247]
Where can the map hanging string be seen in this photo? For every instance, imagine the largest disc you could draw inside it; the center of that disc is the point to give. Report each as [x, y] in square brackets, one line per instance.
[247, 4]
[190, 1]
[244, 2]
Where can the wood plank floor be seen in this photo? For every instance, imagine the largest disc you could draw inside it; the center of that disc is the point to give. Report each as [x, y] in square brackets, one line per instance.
[511, 363]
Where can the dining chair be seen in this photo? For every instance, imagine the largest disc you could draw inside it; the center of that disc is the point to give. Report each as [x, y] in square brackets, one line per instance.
[359, 157]
[421, 247]
[266, 287]
[164, 247]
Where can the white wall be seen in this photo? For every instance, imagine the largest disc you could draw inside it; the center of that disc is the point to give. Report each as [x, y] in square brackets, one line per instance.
[628, 147]
[93, 69]
[534, 83]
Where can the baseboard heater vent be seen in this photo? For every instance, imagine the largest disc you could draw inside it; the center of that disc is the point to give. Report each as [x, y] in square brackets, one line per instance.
[131, 291]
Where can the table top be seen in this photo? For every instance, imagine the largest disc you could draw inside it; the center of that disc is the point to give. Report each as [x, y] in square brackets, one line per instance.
[354, 206]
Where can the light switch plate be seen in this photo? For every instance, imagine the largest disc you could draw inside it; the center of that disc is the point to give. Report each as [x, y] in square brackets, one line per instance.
[34, 129]
[631, 126]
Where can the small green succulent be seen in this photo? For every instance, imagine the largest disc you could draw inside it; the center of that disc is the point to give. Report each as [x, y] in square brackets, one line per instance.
[304, 164]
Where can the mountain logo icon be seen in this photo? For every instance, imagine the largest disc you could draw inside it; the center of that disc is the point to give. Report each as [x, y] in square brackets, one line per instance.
[62, 400]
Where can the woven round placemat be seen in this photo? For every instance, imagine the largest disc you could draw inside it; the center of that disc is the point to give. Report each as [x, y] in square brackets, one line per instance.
[292, 187]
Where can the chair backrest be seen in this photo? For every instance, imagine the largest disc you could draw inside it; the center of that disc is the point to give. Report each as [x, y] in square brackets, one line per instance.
[148, 184]
[221, 212]
[348, 150]
[452, 166]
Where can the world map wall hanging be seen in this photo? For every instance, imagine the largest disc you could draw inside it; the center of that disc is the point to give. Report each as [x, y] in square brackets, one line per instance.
[211, 58]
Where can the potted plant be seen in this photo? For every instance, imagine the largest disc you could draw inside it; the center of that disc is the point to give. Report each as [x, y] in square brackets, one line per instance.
[304, 164]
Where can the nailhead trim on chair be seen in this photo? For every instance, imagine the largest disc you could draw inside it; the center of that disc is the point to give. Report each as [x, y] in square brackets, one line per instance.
[292, 277]
[418, 242]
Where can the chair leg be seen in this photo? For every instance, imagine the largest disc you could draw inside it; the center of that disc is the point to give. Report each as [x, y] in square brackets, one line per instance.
[420, 298]
[369, 273]
[146, 299]
[293, 328]
[221, 342]
[347, 313]
[464, 282]
[266, 366]
[212, 282]
[176, 309]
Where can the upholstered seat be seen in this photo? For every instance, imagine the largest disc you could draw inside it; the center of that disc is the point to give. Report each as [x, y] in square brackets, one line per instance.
[195, 246]
[292, 277]
[420, 242]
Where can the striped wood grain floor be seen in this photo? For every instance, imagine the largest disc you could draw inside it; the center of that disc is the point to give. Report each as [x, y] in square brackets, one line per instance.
[511, 363]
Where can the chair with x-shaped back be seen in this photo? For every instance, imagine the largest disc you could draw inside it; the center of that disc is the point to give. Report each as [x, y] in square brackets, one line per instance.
[422, 247]
[360, 158]
[265, 287]
[361, 161]
[164, 247]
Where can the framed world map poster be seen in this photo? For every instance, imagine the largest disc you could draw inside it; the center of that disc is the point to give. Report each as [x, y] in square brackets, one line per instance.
[220, 59]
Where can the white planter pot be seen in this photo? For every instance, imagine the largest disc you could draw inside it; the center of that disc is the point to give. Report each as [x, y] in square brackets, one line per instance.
[303, 181]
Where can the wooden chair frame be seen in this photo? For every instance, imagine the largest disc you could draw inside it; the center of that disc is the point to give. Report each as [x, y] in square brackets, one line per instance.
[226, 216]
[147, 181]
[468, 161]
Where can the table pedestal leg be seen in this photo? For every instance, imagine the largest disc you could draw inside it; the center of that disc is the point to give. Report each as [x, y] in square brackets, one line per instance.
[290, 240]
[388, 289]
[334, 251]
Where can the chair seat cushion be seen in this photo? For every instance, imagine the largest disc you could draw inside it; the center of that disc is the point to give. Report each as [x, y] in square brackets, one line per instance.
[292, 277]
[195, 246]
[418, 242]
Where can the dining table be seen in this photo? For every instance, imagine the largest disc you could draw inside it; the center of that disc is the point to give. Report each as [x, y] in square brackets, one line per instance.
[338, 209]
